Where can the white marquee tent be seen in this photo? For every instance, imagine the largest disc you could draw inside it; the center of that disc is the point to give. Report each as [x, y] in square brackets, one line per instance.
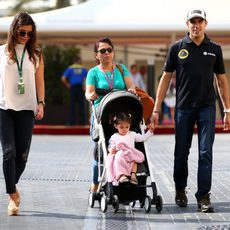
[127, 21]
[154, 22]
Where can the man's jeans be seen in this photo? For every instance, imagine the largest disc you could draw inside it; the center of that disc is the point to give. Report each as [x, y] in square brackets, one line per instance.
[185, 120]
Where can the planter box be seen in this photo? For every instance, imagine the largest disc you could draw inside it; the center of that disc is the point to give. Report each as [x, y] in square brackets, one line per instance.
[57, 115]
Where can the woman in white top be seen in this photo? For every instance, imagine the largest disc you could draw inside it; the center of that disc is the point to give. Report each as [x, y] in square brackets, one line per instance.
[21, 100]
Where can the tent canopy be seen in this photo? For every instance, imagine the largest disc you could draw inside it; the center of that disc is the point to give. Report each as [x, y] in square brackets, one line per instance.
[127, 21]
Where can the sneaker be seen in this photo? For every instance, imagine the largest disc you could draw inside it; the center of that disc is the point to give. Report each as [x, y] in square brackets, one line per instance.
[204, 204]
[181, 198]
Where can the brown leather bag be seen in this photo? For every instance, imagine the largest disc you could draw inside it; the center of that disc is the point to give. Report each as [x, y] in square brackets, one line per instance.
[146, 100]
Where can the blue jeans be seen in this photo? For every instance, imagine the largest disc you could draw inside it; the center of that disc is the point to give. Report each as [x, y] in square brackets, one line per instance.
[16, 129]
[185, 120]
[95, 162]
[95, 171]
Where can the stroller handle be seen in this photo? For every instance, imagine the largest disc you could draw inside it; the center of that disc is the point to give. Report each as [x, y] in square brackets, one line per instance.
[102, 91]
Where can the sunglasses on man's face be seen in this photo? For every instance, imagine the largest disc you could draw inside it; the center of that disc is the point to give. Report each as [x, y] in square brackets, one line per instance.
[103, 51]
[22, 33]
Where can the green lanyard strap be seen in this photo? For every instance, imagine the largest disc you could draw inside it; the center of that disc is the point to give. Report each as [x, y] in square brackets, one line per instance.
[20, 65]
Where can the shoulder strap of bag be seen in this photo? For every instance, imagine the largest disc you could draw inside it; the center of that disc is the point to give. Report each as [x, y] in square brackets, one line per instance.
[120, 69]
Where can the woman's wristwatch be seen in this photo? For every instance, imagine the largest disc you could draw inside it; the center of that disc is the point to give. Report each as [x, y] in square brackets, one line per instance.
[42, 102]
[227, 111]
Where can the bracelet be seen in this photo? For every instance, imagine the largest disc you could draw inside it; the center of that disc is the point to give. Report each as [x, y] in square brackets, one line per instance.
[227, 111]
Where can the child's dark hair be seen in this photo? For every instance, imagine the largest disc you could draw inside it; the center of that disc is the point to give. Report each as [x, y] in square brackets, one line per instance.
[121, 117]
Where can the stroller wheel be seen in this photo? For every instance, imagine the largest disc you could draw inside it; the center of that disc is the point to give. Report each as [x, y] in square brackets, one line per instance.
[92, 197]
[115, 203]
[147, 204]
[159, 203]
[104, 203]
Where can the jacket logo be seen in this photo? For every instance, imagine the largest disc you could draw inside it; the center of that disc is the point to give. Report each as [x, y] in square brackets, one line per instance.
[209, 54]
[183, 54]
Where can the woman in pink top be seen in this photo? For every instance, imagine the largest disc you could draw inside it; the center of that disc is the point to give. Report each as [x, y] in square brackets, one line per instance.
[123, 157]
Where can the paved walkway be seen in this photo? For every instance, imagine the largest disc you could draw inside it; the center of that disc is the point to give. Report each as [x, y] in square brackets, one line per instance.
[54, 189]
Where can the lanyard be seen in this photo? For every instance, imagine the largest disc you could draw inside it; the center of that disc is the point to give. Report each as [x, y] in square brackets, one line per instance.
[20, 65]
[109, 80]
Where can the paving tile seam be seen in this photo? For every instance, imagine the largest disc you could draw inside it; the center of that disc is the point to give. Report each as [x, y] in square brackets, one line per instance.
[211, 227]
[53, 180]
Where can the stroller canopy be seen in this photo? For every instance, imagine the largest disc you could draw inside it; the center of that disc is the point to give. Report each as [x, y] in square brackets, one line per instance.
[120, 101]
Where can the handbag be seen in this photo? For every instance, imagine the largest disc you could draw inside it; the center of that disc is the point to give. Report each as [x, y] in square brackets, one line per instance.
[146, 100]
[147, 103]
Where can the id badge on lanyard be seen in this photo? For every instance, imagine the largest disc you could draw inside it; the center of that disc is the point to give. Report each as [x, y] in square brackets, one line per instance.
[21, 84]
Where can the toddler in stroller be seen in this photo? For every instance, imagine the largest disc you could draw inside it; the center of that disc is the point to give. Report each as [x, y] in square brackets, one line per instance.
[109, 193]
[123, 156]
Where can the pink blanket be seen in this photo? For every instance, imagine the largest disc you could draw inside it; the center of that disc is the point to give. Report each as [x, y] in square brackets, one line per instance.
[121, 163]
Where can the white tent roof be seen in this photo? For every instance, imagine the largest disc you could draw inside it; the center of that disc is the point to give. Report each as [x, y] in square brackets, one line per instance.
[128, 20]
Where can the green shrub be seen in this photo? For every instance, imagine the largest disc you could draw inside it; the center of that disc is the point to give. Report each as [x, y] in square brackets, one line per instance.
[57, 59]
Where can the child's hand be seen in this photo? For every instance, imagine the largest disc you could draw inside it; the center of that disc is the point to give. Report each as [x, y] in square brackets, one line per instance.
[113, 150]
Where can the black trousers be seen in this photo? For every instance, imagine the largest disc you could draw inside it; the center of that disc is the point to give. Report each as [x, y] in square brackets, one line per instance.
[16, 129]
[77, 97]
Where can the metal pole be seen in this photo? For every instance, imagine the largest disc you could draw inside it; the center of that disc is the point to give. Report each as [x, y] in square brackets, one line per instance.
[126, 59]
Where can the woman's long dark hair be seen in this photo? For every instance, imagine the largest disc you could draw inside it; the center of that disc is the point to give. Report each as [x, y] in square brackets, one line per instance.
[22, 19]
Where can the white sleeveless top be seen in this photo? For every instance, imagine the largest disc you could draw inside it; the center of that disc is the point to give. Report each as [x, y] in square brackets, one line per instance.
[9, 77]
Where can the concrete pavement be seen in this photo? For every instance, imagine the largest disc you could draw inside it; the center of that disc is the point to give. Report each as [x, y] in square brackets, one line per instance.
[54, 189]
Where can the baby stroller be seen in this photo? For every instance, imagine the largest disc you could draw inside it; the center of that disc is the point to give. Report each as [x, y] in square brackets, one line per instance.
[126, 193]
